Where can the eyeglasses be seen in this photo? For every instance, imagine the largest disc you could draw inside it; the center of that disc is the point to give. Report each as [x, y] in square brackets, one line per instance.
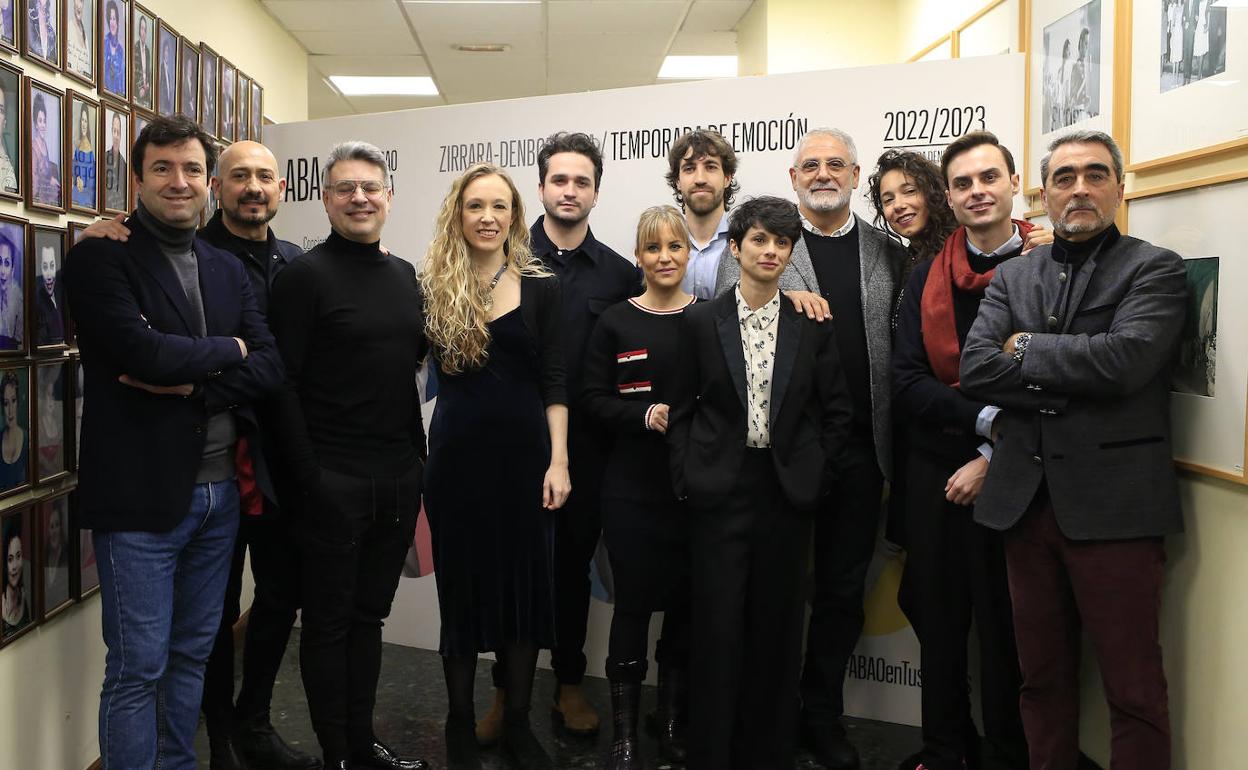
[835, 166]
[345, 188]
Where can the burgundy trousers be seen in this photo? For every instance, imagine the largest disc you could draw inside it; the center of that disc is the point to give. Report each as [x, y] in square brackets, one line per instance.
[1111, 589]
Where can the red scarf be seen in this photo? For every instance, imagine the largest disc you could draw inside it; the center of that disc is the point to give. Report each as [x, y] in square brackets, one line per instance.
[951, 268]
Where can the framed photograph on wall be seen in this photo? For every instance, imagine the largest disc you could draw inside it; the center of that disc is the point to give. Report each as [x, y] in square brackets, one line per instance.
[80, 40]
[1070, 74]
[209, 71]
[82, 135]
[229, 83]
[13, 336]
[256, 113]
[51, 385]
[88, 577]
[115, 174]
[56, 549]
[15, 432]
[12, 131]
[115, 50]
[47, 250]
[45, 158]
[244, 102]
[188, 90]
[1209, 392]
[10, 29]
[17, 600]
[76, 229]
[41, 32]
[166, 69]
[142, 58]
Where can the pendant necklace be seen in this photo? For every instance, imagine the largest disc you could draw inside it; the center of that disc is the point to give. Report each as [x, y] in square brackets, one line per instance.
[489, 292]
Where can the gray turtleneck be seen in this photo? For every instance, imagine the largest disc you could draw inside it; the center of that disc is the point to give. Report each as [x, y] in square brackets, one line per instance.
[178, 247]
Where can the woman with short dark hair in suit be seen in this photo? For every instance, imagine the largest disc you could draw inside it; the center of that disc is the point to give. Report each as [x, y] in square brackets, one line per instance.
[758, 425]
[630, 372]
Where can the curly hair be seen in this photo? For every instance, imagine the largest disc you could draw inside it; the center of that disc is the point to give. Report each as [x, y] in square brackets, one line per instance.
[926, 176]
[456, 304]
[696, 144]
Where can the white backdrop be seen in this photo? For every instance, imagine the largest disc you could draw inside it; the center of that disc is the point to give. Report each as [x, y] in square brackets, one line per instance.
[920, 106]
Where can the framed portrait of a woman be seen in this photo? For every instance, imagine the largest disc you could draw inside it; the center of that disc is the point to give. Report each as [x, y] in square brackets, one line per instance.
[17, 605]
[9, 28]
[115, 50]
[14, 341]
[12, 131]
[41, 32]
[51, 383]
[47, 250]
[52, 523]
[80, 40]
[15, 439]
[45, 161]
[143, 58]
[82, 133]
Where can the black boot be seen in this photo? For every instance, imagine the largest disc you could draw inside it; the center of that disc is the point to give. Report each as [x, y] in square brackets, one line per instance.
[264, 748]
[521, 745]
[461, 743]
[223, 752]
[625, 751]
[670, 716]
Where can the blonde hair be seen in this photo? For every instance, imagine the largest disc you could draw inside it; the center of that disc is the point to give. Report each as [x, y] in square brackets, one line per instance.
[655, 220]
[456, 303]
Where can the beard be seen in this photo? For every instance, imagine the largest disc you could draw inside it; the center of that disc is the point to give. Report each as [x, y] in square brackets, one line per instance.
[702, 207]
[565, 217]
[264, 217]
[825, 200]
[1064, 227]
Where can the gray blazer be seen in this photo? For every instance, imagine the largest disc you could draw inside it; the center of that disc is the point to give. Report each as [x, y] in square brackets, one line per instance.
[1088, 408]
[879, 259]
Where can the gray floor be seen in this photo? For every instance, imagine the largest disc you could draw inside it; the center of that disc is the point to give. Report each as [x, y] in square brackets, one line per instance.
[411, 707]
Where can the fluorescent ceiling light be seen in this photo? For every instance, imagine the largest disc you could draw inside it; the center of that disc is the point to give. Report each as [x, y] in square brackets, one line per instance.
[693, 67]
[352, 85]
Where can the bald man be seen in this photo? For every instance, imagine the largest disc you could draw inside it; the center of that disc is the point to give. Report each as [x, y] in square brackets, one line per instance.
[249, 188]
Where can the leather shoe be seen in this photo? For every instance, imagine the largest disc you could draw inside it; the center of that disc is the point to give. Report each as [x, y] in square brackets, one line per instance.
[379, 755]
[223, 754]
[832, 749]
[341, 764]
[264, 748]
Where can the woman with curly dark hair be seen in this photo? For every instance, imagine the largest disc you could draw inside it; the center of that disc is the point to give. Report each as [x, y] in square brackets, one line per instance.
[908, 194]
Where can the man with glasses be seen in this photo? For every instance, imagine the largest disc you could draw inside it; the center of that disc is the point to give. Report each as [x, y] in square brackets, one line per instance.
[348, 320]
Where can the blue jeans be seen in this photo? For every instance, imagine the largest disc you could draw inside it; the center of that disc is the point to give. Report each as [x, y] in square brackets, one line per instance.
[162, 594]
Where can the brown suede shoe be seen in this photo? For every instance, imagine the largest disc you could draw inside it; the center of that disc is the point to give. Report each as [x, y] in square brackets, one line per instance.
[490, 727]
[573, 712]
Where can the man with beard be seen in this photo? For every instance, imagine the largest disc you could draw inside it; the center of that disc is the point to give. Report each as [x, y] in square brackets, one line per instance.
[1074, 343]
[249, 189]
[702, 172]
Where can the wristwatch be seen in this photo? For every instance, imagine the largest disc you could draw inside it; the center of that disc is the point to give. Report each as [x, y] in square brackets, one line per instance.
[1020, 345]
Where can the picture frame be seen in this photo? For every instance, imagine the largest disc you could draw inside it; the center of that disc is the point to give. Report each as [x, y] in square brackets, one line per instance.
[212, 201]
[82, 144]
[1209, 401]
[243, 103]
[79, 40]
[142, 58]
[10, 30]
[1070, 67]
[44, 157]
[18, 609]
[15, 420]
[256, 113]
[75, 403]
[41, 32]
[57, 553]
[188, 80]
[225, 100]
[14, 324]
[87, 575]
[114, 78]
[47, 259]
[12, 131]
[209, 72]
[166, 69]
[115, 171]
[76, 229]
[51, 386]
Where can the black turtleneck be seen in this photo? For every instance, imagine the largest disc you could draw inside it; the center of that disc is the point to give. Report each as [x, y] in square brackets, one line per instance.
[255, 255]
[349, 326]
[1075, 253]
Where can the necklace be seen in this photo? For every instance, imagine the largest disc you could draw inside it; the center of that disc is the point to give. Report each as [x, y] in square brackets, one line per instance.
[489, 292]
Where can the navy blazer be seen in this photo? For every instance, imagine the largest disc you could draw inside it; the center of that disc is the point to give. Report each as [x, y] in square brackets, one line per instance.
[140, 452]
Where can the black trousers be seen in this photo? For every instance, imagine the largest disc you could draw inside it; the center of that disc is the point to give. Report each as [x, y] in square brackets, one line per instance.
[275, 567]
[748, 569]
[955, 572]
[354, 539]
[844, 543]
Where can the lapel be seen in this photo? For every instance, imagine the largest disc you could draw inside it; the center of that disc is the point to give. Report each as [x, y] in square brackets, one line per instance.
[869, 256]
[1083, 277]
[800, 261]
[788, 340]
[729, 330]
[206, 262]
[147, 254]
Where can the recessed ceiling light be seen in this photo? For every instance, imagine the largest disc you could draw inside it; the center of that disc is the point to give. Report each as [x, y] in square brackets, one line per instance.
[353, 85]
[694, 67]
[481, 47]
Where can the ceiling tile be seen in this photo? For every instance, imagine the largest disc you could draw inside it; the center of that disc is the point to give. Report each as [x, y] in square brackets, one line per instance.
[715, 15]
[390, 41]
[369, 65]
[653, 18]
[354, 15]
[464, 19]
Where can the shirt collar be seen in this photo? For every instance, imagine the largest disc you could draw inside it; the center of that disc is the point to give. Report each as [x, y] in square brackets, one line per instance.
[1013, 244]
[543, 247]
[766, 313]
[842, 230]
[720, 231]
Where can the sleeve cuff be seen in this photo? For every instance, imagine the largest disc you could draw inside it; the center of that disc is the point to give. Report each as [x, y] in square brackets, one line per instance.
[983, 423]
[985, 450]
[649, 411]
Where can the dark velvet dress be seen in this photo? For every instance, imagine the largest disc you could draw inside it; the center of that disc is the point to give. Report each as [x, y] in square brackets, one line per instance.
[489, 448]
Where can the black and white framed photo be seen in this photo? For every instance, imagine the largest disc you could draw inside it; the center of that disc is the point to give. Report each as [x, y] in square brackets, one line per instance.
[116, 173]
[12, 131]
[229, 84]
[166, 69]
[17, 600]
[209, 71]
[47, 250]
[143, 58]
[115, 49]
[188, 90]
[15, 435]
[82, 134]
[56, 548]
[256, 113]
[13, 336]
[243, 102]
[45, 157]
[41, 32]
[9, 28]
[80, 40]
[51, 385]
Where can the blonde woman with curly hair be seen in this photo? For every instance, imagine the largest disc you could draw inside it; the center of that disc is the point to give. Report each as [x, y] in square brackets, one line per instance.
[498, 459]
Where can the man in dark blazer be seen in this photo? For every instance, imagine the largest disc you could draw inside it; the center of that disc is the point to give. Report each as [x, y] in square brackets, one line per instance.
[1074, 342]
[174, 350]
[758, 428]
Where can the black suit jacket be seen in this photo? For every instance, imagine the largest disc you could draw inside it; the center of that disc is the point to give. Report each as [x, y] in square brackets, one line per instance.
[140, 452]
[810, 407]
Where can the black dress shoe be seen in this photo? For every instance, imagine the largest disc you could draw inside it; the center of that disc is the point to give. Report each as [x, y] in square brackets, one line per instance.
[833, 750]
[264, 748]
[379, 755]
[341, 764]
[223, 754]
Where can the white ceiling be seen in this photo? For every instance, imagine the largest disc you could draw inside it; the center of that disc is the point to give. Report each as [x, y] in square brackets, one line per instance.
[555, 46]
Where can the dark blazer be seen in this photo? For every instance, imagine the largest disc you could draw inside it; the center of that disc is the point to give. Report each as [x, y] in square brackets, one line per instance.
[140, 452]
[810, 412]
[1088, 409]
